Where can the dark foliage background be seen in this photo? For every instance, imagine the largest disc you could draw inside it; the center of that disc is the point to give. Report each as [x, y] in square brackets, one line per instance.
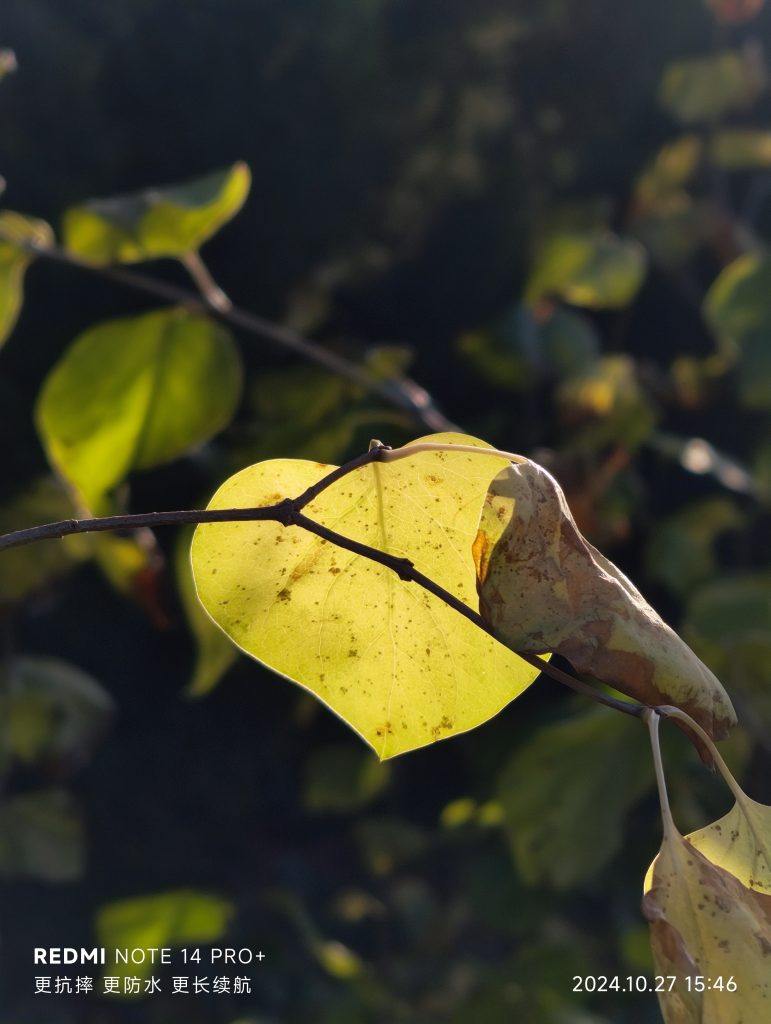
[409, 158]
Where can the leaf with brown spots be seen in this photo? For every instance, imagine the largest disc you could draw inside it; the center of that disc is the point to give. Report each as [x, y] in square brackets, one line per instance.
[740, 842]
[705, 924]
[542, 587]
[397, 664]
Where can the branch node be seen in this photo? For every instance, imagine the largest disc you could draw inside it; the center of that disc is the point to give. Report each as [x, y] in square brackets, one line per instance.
[404, 569]
[286, 512]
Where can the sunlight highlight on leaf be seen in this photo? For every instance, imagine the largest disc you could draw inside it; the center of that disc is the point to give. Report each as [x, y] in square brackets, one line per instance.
[397, 664]
[171, 221]
[134, 393]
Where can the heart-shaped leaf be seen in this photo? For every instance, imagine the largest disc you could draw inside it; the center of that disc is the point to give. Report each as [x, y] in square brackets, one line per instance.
[397, 664]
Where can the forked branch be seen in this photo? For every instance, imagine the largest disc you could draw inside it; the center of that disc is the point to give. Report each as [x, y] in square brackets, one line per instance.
[289, 512]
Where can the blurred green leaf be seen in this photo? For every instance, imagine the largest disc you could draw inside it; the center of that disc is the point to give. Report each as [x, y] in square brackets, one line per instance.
[738, 308]
[342, 778]
[171, 221]
[520, 348]
[681, 553]
[596, 270]
[564, 810]
[673, 230]
[739, 299]
[134, 393]
[702, 89]
[534, 986]
[606, 405]
[124, 560]
[51, 710]
[338, 960]
[386, 843]
[569, 343]
[14, 262]
[174, 919]
[25, 570]
[670, 170]
[670, 221]
[728, 623]
[41, 837]
[215, 653]
[741, 149]
[303, 412]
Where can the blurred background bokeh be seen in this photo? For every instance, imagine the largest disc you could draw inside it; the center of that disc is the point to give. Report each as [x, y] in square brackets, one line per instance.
[552, 215]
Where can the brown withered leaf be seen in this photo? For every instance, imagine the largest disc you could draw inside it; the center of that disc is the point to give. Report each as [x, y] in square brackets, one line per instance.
[544, 588]
[707, 930]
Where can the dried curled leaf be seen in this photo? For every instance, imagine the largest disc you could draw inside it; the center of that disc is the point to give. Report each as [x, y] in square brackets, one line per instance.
[708, 930]
[543, 587]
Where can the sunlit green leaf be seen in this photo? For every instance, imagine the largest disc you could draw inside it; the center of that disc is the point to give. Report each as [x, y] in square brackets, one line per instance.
[15, 260]
[133, 393]
[398, 665]
[597, 270]
[27, 569]
[169, 221]
[170, 919]
[704, 88]
[342, 778]
[51, 710]
[215, 653]
[564, 812]
[41, 837]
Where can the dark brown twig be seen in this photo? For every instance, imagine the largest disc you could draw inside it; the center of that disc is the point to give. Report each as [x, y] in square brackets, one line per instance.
[289, 513]
[402, 394]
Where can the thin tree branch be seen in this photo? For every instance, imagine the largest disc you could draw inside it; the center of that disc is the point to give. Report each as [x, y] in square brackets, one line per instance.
[289, 513]
[401, 393]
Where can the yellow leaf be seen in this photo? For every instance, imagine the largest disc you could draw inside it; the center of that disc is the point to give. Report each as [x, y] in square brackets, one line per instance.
[740, 842]
[707, 929]
[394, 662]
[543, 587]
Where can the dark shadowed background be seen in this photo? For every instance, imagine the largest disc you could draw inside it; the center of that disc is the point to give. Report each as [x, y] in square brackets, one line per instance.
[414, 163]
